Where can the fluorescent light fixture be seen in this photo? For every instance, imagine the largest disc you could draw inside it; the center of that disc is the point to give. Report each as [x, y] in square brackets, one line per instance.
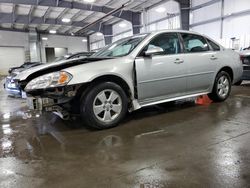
[122, 25]
[52, 31]
[89, 1]
[160, 9]
[66, 20]
[99, 34]
[6, 116]
[84, 40]
[44, 38]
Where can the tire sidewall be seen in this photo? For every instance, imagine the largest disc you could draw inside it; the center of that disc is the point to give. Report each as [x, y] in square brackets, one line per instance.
[219, 75]
[87, 111]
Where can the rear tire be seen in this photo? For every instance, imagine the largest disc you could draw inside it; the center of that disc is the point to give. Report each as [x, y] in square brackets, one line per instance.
[221, 88]
[104, 106]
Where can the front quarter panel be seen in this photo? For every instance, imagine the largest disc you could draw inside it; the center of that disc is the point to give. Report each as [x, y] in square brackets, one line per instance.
[121, 67]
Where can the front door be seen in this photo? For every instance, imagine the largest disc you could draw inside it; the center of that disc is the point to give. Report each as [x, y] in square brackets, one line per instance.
[161, 76]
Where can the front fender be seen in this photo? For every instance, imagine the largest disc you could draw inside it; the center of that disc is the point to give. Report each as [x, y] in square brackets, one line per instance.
[122, 68]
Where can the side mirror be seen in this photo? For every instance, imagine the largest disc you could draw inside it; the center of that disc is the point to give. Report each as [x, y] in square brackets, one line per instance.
[154, 51]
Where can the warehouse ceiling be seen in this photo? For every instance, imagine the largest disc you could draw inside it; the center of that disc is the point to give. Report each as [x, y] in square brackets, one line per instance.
[65, 16]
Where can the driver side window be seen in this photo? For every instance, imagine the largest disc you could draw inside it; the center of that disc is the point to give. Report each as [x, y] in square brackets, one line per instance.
[169, 42]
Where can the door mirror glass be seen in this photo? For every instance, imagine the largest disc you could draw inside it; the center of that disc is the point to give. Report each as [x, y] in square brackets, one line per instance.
[153, 51]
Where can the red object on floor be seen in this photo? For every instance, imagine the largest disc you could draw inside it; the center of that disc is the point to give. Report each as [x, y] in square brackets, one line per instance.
[203, 100]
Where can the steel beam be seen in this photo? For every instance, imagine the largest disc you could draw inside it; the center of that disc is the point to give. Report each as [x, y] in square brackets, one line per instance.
[232, 15]
[106, 30]
[126, 14]
[185, 12]
[206, 21]
[136, 23]
[63, 13]
[205, 4]
[25, 19]
[108, 33]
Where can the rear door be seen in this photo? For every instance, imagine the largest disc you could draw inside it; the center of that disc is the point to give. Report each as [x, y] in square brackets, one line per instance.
[201, 63]
[161, 76]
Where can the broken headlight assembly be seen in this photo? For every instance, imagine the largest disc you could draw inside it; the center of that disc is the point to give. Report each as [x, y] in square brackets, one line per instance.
[54, 79]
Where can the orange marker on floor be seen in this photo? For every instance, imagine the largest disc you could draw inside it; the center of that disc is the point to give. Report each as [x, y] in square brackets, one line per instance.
[203, 100]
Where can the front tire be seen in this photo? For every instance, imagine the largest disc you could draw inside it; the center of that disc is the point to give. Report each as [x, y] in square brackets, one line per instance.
[221, 88]
[104, 106]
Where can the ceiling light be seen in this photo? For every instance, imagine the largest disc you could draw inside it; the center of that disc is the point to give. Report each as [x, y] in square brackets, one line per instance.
[52, 31]
[6, 116]
[84, 40]
[122, 25]
[66, 20]
[160, 9]
[89, 1]
[99, 34]
[44, 38]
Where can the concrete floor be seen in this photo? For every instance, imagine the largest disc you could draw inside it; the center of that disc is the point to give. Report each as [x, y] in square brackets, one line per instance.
[184, 145]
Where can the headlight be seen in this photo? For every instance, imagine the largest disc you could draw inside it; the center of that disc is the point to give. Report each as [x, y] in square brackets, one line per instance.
[50, 80]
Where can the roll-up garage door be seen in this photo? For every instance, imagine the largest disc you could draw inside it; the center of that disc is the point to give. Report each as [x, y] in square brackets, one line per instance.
[10, 57]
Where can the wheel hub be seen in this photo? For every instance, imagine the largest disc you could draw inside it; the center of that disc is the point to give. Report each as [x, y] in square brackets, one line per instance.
[107, 105]
[223, 86]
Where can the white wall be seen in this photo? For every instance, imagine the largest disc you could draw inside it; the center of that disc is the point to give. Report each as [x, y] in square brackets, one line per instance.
[210, 29]
[231, 27]
[14, 49]
[232, 6]
[121, 30]
[9, 38]
[96, 41]
[73, 44]
[153, 20]
[206, 13]
[10, 57]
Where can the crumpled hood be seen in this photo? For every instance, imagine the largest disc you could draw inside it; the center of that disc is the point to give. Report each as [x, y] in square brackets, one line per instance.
[24, 74]
[51, 67]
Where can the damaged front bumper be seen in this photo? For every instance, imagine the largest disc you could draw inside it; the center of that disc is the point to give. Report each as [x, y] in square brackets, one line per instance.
[47, 105]
[56, 100]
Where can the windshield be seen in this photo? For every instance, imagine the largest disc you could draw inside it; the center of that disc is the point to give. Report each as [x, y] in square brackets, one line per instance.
[121, 47]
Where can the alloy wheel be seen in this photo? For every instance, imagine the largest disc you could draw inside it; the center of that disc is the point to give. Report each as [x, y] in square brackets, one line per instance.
[223, 86]
[107, 105]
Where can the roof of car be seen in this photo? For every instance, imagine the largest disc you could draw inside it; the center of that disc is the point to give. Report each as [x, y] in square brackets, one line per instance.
[175, 31]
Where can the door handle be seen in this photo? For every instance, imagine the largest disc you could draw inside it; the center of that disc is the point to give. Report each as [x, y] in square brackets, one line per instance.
[178, 61]
[213, 57]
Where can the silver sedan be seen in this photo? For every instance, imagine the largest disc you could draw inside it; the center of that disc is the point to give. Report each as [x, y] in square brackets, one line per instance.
[131, 73]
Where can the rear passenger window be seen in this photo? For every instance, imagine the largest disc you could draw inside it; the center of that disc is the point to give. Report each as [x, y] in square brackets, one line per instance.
[194, 43]
[215, 46]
